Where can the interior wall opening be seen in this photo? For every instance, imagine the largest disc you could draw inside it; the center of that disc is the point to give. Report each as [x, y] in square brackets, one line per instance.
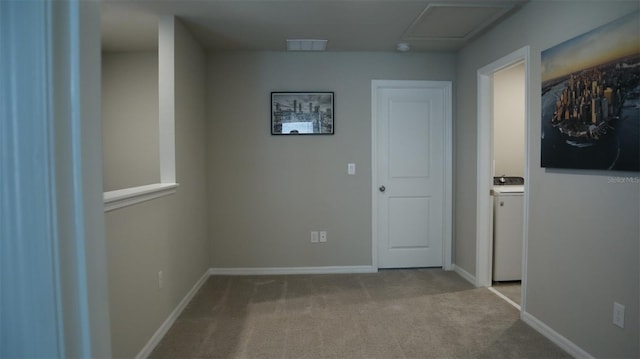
[487, 170]
[508, 168]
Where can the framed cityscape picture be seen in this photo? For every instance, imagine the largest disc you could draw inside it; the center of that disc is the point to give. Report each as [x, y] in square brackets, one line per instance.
[302, 113]
[591, 99]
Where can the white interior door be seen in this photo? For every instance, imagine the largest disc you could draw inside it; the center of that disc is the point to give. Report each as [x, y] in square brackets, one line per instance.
[411, 153]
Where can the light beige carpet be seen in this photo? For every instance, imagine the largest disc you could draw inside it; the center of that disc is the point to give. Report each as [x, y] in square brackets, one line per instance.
[511, 290]
[423, 313]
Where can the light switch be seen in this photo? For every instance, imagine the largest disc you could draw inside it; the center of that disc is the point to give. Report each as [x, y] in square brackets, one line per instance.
[351, 168]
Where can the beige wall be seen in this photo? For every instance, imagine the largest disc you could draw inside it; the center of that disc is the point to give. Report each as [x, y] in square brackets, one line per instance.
[268, 192]
[583, 247]
[167, 234]
[508, 121]
[130, 119]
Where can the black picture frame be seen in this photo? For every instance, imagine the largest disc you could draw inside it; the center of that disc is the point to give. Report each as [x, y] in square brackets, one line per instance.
[302, 113]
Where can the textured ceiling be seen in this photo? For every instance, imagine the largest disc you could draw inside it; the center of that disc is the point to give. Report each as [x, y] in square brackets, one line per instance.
[264, 25]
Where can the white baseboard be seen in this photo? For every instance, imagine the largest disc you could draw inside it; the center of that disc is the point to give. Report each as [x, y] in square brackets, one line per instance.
[564, 343]
[164, 328]
[292, 270]
[464, 274]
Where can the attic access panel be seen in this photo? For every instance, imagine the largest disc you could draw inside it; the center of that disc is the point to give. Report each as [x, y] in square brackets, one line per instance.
[454, 21]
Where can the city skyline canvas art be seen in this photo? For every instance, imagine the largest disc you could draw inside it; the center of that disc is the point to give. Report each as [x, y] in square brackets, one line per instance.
[302, 113]
[591, 99]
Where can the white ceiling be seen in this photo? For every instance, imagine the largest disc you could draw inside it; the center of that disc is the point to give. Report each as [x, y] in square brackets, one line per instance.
[264, 25]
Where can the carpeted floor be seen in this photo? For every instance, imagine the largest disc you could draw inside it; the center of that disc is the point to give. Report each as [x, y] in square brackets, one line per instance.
[421, 313]
[511, 290]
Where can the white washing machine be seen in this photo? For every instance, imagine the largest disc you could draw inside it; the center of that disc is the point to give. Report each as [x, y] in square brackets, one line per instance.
[508, 217]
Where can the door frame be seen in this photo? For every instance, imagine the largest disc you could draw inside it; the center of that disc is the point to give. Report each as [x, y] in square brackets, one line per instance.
[446, 87]
[484, 203]
[54, 196]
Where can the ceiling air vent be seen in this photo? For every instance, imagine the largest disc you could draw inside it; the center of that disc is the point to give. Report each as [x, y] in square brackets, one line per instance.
[306, 45]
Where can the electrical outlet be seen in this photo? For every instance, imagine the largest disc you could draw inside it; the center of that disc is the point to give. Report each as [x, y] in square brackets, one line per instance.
[618, 314]
[323, 236]
[314, 237]
[160, 280]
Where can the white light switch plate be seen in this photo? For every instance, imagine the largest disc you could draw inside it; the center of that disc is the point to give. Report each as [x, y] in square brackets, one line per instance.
[351, 168]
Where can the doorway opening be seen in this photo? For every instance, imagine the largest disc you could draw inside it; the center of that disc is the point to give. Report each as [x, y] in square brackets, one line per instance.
[503, 159]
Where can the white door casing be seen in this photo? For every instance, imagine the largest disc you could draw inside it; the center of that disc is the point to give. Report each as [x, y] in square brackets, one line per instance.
[484, 204]
[411, 171]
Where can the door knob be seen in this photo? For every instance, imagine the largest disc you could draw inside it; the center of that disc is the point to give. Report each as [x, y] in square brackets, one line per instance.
[382, 188]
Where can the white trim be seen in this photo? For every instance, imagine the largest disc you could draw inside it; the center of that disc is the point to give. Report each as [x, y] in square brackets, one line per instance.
[447, 242]
[564, 343]
[447, 225]
[527, 166]
[374, 172]
[293, 270]
[166, 93]
[507, 299]
[464, 274]
[164, 328]
[484, 165]
[130, 196]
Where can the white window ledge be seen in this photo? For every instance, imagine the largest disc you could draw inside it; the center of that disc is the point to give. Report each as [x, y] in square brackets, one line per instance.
[130, 196]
